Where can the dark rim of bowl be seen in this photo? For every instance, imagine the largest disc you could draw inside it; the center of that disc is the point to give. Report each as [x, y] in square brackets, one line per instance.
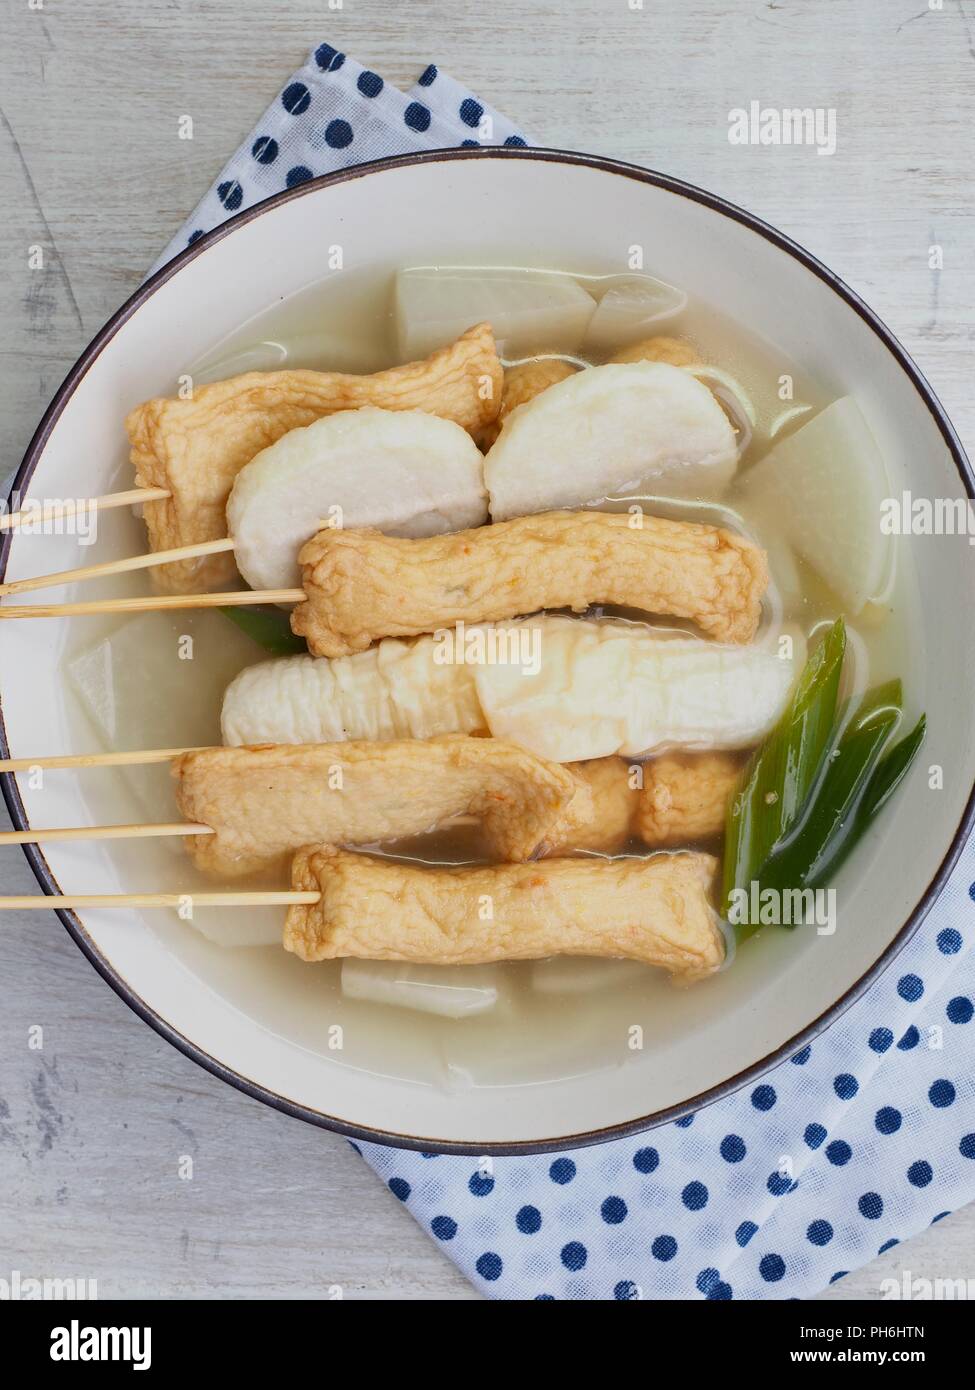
[73, 923]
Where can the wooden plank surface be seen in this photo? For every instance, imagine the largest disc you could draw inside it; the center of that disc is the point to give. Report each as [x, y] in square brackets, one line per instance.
[94, 1125]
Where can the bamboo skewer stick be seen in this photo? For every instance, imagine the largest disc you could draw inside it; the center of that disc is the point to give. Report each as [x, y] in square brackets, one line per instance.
[103, 832]
[12, 521]
[155, 602]
[254, 898]
[134, 758]
[133, 562]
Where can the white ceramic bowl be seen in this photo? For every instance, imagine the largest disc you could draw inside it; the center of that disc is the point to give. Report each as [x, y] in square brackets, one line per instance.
[268, 1034]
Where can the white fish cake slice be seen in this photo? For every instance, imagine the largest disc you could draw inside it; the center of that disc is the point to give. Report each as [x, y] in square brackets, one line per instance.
[614, 687]
[394, 690]
[625, 427]
[403, 472]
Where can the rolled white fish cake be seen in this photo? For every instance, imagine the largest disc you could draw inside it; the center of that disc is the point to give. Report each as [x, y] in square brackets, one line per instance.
[566, 689]
[642, 427]
[394, 690]
[403, 472]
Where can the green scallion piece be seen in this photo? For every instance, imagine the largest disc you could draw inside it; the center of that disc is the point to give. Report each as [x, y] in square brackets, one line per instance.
[780, 774]
[888, 775]
[269, 627]
[808, 855]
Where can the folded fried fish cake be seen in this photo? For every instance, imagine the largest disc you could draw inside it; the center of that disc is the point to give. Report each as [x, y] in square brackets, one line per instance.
[656, 910]
[675, 799]
[264, 803]
[361, 585]
[685, 797]
[599, 818]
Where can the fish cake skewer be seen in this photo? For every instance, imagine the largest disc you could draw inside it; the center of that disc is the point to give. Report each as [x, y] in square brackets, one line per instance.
[361, 585]
[264, 803]
[655, 910]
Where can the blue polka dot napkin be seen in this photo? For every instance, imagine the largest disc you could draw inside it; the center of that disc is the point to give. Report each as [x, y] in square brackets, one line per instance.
[334, 113]
[853, 1145]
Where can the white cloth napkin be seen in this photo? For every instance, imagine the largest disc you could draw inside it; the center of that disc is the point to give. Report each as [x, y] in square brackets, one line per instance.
[859, 1141]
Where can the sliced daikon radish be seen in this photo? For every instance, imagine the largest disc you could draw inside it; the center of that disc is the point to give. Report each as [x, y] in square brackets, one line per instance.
[124, 695]
[121, 693]
[631, 308]
[401, 471]
[762, 524]
[451, 992]
[581, 975]
[529, 310]
[616, 687]
[826, 484]
[393, 690]
[635, 427]
[249, 927]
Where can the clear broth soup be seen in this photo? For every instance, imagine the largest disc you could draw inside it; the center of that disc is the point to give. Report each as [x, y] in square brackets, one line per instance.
[136, 687]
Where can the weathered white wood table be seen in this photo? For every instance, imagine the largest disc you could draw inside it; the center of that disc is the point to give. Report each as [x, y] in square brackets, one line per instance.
[92, 1127]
